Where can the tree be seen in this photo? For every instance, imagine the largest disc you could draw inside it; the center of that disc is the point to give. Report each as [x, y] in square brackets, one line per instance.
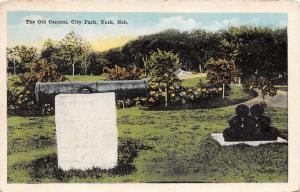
[115, 57]
[204, 45]
[97, 63]
[221, 72]
[72, 51]
[19, 57]
[164, 83]
[262, 48]
[261, 56]
[49, 49]
[245, 45]
[85, 57]
[168, 40]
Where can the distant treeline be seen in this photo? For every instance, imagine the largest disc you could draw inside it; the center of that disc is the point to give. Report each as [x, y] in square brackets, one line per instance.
[255, 48]
[248, 46]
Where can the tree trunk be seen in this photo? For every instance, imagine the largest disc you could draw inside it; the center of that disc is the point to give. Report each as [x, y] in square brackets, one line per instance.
[223, 96]
[263, 98]
[85, 68]
[200, 68]
[166, 97]
[85, 64]
[73, 68]
[89, 64]
[123, 104]
[14, 67]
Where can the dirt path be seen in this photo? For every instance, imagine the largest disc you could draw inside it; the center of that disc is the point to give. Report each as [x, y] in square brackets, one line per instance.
[279, 100]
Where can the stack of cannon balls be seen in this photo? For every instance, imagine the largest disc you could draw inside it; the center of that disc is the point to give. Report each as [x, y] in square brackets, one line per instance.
[250, 127]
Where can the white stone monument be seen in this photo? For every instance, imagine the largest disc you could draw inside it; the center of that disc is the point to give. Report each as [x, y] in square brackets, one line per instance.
[86, 131]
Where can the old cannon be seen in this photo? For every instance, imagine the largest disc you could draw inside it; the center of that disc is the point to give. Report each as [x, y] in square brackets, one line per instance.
[46, 91]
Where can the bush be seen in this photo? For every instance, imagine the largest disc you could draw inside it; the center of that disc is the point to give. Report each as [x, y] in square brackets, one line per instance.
[122, 73]
[201, 93]
[264, 84]
[21, 98]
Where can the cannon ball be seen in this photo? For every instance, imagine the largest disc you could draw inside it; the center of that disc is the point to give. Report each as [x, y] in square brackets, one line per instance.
[242, 110]
[257, 110]
[249, 122]
[235, 122]
[264, 122]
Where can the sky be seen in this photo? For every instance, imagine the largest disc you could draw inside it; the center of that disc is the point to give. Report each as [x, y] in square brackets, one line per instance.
[105, 36]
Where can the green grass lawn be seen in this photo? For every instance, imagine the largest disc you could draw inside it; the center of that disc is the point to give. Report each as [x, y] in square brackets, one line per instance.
[154, 146]
[171, 146]
[192, 82]
[86, 77]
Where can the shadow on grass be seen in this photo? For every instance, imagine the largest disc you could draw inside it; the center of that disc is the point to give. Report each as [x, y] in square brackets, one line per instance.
[47, 168]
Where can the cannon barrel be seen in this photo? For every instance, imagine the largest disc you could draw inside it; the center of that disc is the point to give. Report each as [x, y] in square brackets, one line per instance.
[46, 91]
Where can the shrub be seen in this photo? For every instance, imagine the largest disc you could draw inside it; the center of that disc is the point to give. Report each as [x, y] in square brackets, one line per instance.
[122, 73]
[164, 84]
[21, 98]
[264, 84]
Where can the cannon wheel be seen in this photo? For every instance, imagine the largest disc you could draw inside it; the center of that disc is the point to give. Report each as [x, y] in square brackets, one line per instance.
[85, 90]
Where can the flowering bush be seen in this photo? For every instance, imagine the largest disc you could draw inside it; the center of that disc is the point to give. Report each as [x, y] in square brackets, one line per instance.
[158, 92]
[200, 93]
[178, 95]
[21, 98]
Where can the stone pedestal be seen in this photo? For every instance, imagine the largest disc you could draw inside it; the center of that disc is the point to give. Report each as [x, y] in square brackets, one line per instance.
[86, 131]
[220, 139]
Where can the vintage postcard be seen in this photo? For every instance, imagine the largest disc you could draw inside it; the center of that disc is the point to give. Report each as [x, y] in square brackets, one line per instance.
[150, 96]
